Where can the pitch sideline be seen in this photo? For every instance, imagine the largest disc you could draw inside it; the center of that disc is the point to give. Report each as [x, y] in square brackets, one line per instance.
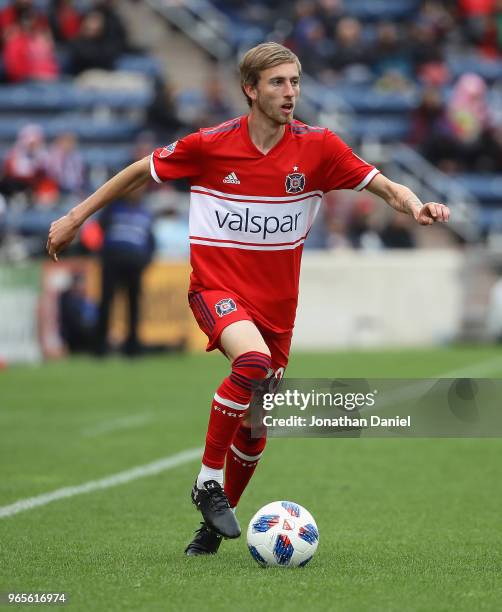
[149, 469]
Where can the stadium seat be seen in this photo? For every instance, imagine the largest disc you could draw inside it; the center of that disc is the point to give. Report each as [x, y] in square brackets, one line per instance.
[32, 222]
[489, 69]
[139, 63]
[491, 219]
[487, 188]
[380, 10]
[365, 99]
[64, 96]
[86, 128]
[381, 127]
[112, 157]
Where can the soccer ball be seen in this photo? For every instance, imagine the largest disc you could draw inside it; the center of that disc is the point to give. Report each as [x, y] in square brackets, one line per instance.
[282, 534]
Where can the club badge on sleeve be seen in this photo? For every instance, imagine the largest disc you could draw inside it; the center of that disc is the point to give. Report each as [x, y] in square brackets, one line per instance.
[169, 150]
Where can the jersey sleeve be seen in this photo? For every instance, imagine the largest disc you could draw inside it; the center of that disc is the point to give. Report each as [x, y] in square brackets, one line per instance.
[180, 159]
[343, 169]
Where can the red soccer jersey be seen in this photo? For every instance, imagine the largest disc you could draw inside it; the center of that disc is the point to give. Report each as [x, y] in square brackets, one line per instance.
[250, 213]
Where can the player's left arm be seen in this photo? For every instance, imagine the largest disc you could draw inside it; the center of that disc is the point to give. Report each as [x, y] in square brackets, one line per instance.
[402, 199]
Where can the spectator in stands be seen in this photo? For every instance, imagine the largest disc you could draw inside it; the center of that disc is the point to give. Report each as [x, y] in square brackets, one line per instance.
[330, 12]
[361, 231]
[389, 53]
[351, 51]
[64, 20]
[317, 49]
[474, 14]
[92, 48]
[497, 15]
[438, 14]
[431, 130]
[304, 15]
[215, 108]
[128, 249]
[14, 14]
[490, 32]
[477, 128]
[162, 117]
[469, 116]
[77, 316]
[391, 62]
[3, 222]
[468, 108]
[65, 164]
[310, 38]
[25, 164]
[459, 136]
[29, 52]
[493, 152]
[114, 30]
[337, 211]
[397, 234]
[425, 48]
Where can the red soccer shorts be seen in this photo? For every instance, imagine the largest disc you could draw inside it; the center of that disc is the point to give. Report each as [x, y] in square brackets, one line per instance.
[214, 310]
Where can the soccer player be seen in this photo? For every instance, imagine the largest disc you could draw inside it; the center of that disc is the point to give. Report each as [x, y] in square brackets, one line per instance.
[256, 184]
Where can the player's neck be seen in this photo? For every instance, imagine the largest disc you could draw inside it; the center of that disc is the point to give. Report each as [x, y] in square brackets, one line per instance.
[264, 132]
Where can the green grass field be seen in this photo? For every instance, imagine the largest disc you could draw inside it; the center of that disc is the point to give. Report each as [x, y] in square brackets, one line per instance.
[405, 524]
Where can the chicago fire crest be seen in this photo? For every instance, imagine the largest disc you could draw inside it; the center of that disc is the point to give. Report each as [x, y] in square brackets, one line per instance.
[224, 307]
[295, 182]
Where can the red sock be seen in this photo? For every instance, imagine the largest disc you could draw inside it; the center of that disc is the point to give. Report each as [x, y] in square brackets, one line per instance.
[230, 403]
[242, 459]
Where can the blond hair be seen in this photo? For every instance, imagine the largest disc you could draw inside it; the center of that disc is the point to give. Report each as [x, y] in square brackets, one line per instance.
[259, 58]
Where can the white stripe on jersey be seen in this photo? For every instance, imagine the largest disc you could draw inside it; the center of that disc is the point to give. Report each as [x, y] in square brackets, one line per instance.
[153, 172]
[238, 197]
[253, 225]
[366, 179]
[247, 247]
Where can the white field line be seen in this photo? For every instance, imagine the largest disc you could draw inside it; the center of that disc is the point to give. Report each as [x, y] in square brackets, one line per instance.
[127, 422]
[149, 469]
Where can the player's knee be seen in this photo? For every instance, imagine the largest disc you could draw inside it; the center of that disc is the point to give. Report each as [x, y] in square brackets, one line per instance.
[249, 367]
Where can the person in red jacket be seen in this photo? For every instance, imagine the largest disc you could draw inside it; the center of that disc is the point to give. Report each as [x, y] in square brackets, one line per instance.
[16, 12]
[25, 166]
[28, 52]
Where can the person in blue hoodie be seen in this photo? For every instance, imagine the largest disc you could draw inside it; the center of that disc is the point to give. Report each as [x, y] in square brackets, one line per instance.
[127, 250]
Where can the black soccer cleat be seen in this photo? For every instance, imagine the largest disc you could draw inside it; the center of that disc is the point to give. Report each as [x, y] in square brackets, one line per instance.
[215, 509]
[205, 542]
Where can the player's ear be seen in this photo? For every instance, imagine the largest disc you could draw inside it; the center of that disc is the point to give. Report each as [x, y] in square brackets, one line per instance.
[250, 91]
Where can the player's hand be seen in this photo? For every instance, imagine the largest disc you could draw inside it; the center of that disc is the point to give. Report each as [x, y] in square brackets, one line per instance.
[432, 212]
[61, 233]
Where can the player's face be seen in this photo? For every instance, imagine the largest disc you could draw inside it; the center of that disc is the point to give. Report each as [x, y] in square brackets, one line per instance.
[276, 92]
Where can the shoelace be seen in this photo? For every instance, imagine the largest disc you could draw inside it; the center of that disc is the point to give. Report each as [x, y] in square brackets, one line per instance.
[218, 499]
[203, 530]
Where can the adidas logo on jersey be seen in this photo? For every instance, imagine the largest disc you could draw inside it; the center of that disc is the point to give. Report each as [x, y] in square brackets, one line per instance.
[232, 178]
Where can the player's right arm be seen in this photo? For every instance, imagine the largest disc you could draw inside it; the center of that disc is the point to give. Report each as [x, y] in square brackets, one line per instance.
[64, 230]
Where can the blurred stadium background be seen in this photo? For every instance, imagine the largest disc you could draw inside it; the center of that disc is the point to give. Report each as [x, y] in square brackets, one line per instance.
[415, 87]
